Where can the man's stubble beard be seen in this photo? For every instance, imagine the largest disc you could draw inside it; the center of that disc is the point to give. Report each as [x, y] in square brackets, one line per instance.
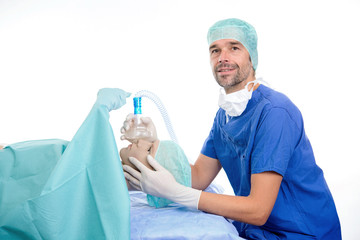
[241, 75]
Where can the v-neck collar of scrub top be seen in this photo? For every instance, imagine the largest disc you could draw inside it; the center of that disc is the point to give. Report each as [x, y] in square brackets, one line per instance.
[252, 102]
[231, 128]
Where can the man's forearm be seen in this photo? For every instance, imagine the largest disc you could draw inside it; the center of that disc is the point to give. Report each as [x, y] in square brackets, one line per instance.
[253, 209]
[241, 209]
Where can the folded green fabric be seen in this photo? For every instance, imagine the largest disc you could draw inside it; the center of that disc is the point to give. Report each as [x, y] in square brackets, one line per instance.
[52, 189]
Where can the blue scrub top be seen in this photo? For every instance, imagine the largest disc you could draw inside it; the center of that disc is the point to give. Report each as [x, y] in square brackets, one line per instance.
[270, 136]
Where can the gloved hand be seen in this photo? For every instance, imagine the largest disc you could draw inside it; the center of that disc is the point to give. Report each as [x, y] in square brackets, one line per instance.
[160, 183]
[129, 132]
[112, 98]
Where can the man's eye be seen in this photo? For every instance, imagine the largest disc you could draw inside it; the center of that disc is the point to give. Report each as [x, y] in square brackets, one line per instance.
[214, 51]
[149, 149]
[235, 48]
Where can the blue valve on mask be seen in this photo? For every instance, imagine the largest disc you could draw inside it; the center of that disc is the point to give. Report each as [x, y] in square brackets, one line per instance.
[139, 130]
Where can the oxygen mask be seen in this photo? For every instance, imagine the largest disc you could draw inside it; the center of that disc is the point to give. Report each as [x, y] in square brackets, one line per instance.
[137, 126]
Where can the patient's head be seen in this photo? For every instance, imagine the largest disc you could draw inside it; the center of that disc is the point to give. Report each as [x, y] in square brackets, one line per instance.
[168, 154]
[139, 151]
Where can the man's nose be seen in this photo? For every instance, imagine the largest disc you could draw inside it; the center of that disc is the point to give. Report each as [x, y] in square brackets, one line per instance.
[223, 57]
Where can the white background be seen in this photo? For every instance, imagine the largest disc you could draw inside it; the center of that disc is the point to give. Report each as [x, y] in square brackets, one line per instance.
[55, 55]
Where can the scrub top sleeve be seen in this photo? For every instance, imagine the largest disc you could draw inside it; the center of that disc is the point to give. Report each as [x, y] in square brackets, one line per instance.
[208, 148]
[274, 143]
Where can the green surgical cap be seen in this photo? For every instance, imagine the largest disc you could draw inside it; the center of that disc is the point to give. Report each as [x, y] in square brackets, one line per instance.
[239, 30]
[172, 157]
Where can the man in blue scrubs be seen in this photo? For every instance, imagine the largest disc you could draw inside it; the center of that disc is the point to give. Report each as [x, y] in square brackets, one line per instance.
[258, 137]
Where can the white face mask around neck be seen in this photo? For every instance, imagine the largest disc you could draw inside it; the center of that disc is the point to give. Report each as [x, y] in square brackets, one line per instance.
[235, 103]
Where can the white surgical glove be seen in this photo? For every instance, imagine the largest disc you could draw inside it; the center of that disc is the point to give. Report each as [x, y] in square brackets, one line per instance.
[160, 183]
[129, 129]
